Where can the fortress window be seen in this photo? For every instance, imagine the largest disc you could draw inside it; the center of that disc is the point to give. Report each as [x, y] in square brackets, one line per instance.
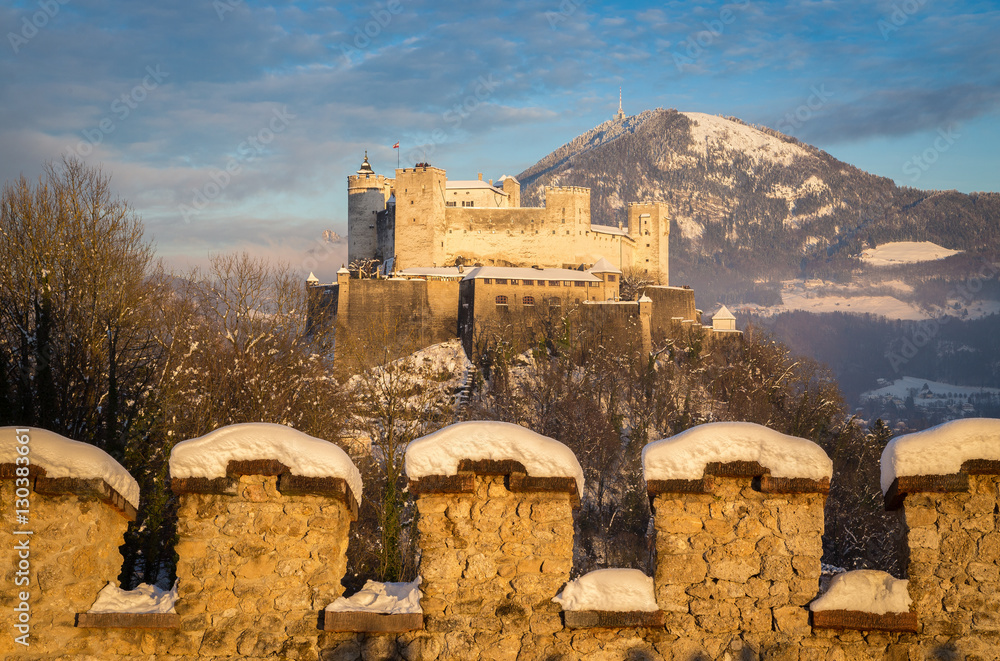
[467, 203]
[487, 281]
[450, 204]
[579, 283]
[501, 301]
[554, 302]
[554, 283]
[501, 281]
[529, 283]
[611, 276]
[647, 245]
[528, 300]
[594, 284]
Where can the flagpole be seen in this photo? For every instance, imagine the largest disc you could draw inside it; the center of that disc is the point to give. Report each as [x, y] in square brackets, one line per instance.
[397, 155]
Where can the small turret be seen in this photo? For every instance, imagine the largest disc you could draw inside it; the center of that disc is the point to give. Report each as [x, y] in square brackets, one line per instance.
[366, 167]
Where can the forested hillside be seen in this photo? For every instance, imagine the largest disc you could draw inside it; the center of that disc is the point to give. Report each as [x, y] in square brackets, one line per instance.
[751, 201]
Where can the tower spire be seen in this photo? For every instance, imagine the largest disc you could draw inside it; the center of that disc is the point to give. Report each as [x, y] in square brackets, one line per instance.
[621, 113]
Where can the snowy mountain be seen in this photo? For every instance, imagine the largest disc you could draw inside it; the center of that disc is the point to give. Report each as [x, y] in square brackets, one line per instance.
[751, 199]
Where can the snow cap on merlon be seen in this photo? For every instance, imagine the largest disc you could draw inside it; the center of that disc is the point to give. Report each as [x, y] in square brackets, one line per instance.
[441, 452]
[208, 456]
[63, 457]
[686, 455]
[940, 450]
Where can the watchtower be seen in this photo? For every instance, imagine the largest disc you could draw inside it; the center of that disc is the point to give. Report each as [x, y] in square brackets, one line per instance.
[649, 226]
[367, 195]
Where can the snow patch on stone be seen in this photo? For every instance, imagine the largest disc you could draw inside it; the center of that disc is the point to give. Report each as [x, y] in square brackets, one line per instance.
[940, 450]
[864, 590]
[208, 455]
[622, 590]
[144, 599]
[439, 453]
[62, 457]
[684, 456]
[385, 598]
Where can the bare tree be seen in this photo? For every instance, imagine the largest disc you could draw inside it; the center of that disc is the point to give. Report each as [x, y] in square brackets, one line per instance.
[75, 305]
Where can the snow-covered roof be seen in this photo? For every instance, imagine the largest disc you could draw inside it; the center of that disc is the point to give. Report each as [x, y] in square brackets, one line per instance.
[473, 184]
[685, 456]
[609, 229]
[440, 453]
[940, 450]
[62, 457]
[144, 599]
[604, 266]
[609, 590]
[439, 271]
[724, 313]
[385, 598]
[312, 277]
[864, 590]
[343, 269]
[645, 299]
[518, 273]
[506, 177]
[209, 455]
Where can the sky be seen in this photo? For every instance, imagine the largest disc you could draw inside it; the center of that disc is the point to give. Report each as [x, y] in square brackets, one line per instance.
[232, 125]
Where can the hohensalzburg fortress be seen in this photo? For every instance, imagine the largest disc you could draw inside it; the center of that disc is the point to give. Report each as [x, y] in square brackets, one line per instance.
[421, 219]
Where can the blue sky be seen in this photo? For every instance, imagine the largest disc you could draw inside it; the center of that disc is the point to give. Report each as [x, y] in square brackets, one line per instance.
[233, 124]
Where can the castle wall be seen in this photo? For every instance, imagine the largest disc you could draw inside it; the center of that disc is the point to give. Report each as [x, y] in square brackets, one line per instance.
[527, 237]
[737, 560]
[424, 312]
[670, 304]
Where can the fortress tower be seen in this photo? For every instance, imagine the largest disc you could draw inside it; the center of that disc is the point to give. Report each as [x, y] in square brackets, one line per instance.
[420, 216]
[649, 226]
[367, 195]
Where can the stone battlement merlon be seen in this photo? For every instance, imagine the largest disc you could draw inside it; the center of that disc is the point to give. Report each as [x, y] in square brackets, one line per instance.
[737, 532]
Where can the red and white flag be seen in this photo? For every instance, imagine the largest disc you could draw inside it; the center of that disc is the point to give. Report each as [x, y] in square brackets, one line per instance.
[396, 146]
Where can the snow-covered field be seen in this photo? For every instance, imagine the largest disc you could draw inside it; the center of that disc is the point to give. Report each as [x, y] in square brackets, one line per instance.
[905, 252]
[937, 392]
[886, 299]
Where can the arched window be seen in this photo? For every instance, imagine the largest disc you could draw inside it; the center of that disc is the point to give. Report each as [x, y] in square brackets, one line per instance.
[528, 300]
[501, 300]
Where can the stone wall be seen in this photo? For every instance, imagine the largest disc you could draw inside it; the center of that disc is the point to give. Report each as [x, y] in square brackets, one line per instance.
[261, 553]
[954, 567]
[72, 553]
